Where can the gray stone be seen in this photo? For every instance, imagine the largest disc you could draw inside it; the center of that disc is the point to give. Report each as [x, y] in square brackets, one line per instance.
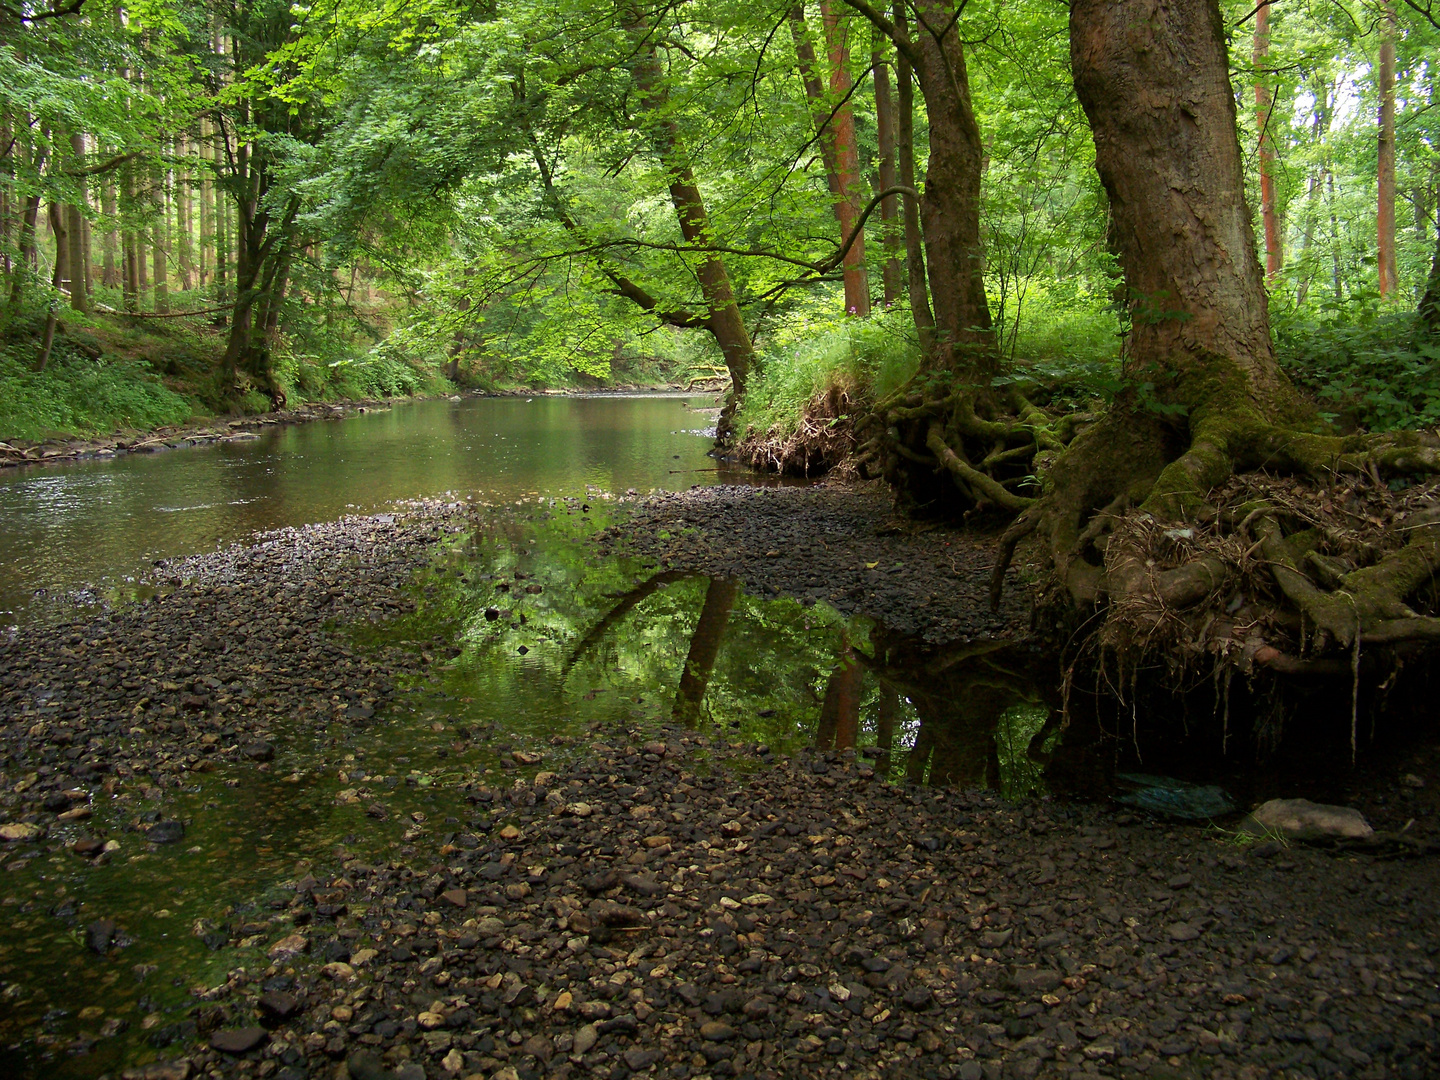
[1300, 819]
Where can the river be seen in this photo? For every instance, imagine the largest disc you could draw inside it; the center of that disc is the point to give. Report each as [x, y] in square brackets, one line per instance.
[102, 523]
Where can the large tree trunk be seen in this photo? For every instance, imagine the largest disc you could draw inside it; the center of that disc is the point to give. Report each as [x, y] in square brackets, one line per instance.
[1153, 79]
[839, 726]
[160, 241]
[1264, 112]
[1385, 169]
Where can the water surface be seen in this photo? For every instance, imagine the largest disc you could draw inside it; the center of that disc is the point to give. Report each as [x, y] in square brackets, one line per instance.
[65, 527]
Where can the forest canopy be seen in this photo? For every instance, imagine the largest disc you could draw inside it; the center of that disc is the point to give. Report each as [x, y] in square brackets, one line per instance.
[521, 191]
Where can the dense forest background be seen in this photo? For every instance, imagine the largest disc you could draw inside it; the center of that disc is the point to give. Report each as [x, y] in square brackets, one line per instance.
[218, 206]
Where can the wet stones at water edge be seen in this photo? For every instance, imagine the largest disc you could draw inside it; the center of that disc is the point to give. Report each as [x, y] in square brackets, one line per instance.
[782, 922]
[129, 703]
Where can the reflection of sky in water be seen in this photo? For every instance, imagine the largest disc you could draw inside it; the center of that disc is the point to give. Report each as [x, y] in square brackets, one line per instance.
[67, 525]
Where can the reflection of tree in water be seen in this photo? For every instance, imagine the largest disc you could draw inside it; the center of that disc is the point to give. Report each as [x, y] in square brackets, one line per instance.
[704, 648]
[704, 641]
[979, 717]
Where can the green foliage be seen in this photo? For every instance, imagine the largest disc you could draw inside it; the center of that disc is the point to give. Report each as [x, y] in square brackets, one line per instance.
[78, 395]
[811, 352]
[1365, 363]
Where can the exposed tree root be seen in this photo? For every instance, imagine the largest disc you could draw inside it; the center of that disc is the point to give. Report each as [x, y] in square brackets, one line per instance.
[971, 449]
[1256, 546]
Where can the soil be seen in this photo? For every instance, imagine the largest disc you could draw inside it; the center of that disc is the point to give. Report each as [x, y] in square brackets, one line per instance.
[684, 909]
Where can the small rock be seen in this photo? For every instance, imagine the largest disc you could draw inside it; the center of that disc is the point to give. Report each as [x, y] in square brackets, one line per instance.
[259, 751]
[454, 896]
[19, 832]
[238, 1040]
[585, 1039]
[1181, 931]
[99, 935]
[716, 1031]
[278, 1005]
[166, 832]
[289, 947]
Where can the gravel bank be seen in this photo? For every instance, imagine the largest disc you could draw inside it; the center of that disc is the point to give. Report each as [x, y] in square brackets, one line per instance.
[649, 914]
[835, 543]
[685, 910]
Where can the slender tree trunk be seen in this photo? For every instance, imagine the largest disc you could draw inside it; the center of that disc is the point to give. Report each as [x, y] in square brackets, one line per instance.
[889, 210]
[834, 131]
[909, 202]
[723, 318]
[185, 215]
[160, 243]
[1335, 274]
[847, 158]
[704, 648]
[1264, 112]
[75, 232]
[9, 205]
[1385, 171]
[109, 272]
[1307, 239]
[1154, 82]
[207, 204]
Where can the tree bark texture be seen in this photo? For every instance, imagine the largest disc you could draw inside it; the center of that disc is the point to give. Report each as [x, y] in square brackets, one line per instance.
[1153, 79]
[950, 208]
[1385, 169]
[889, 210]
[847, 158]
[1264, 112]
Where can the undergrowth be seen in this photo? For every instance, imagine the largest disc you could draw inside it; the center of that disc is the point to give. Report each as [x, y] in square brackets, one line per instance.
[1364, 361]
[76, 395]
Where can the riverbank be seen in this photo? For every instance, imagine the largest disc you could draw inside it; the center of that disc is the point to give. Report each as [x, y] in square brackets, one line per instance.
[174, 436]
[668, 902]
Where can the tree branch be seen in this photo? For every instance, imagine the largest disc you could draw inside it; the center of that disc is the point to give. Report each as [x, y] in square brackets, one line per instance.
[58, 13]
